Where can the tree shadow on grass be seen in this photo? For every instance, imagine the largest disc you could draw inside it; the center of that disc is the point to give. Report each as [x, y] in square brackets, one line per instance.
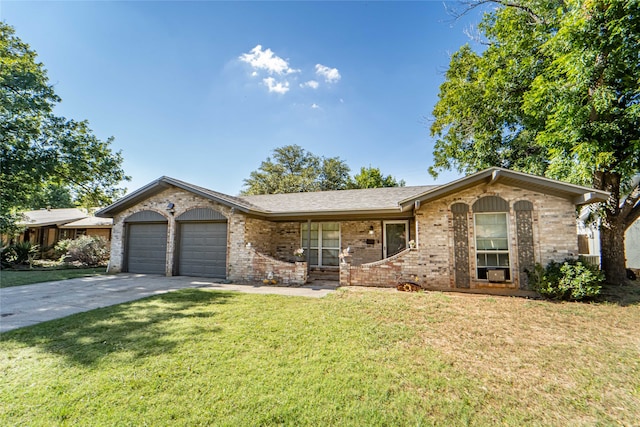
[147, 327]
[622, 295]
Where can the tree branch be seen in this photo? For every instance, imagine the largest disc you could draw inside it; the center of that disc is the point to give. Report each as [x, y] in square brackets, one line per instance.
[630, 210]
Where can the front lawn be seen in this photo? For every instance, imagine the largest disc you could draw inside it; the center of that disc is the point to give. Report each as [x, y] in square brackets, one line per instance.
[357, 357]
[10, 278]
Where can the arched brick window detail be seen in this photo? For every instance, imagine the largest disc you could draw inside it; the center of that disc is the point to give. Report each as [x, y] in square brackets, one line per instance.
[459, 212]
[201, 214]
[524, 235]
[491, 204]
[146, 216]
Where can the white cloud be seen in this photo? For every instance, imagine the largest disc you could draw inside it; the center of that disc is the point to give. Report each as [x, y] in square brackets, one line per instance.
[311, 83]
[266, 60]
[331, 75]
[277, 87]
[314, 106]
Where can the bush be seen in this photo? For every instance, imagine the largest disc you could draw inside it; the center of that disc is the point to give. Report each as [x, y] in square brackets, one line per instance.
[61, 248]
[571, 280]
[18, 254]
[88, 250]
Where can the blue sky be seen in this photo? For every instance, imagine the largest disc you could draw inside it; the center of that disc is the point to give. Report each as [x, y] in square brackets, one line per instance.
[204, 91]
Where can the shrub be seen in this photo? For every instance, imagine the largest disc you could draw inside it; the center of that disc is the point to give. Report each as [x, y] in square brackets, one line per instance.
[88, 250]
[61, 248]
[18, 254]
[571, 280]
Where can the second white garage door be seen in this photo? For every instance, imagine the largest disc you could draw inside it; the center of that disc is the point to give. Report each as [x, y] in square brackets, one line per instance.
[203, 249]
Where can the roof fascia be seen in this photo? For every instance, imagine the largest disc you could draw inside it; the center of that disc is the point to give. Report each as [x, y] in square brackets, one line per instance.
[156, 187]
[338, 215]
[48, 223]
[578, 194]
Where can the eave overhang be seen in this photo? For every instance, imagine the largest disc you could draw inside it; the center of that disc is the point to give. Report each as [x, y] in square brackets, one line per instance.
[577, 194]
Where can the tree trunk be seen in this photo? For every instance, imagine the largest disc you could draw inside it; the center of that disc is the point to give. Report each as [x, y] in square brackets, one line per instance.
[612, 230]
[612, 253]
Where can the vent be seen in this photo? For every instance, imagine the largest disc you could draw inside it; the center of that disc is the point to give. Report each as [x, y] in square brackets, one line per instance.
[523, 205]
[491, 204]
[496, 275]
[146, 216]
[201, 214]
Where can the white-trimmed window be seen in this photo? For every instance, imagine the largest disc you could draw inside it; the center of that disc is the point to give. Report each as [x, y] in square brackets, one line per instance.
[492, 243]
[325, 243]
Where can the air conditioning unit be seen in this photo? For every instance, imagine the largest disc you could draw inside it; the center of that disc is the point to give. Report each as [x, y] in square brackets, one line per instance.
[496, 275]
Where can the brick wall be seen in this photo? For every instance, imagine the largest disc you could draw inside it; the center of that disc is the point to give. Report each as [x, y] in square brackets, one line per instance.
[183, 201]
[354, 235]
[244, 264]
[286, 240]
[383, 273]
[268, 270]
[554, 238]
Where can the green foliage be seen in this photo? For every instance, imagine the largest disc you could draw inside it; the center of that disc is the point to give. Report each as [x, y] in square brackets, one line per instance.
[372, 178]
[52, 196]
[39, 148]
[88, 250]
[10, 278]
[571, 280]
[295, 170]
[18, 254]
[61, 248]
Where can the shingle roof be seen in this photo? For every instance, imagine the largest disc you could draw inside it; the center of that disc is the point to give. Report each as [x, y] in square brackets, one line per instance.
[42, 217]
[365, 202]
[90, 222]
[369, 199]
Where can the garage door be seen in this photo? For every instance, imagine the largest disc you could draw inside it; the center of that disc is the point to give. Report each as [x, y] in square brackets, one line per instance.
[147, 248]
[203, 249]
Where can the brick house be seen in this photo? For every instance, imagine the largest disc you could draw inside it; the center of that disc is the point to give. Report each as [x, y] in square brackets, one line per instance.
[45, 227]
[478, 232]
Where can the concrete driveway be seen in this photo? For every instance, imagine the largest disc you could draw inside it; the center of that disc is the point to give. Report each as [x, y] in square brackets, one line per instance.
[27, 305]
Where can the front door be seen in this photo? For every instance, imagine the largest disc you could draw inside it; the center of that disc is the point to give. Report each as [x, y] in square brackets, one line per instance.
[395, 237]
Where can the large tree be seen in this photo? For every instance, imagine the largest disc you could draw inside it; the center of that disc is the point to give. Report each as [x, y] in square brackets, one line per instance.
[38, 148]
[555, 92]
[294, 170]
[371, 177]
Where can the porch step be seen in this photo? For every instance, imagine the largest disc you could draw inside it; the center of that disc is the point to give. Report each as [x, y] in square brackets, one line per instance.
[324, 275]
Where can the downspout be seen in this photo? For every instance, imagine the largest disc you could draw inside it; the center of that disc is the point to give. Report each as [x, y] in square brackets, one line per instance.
[416, 206]
[308, 246]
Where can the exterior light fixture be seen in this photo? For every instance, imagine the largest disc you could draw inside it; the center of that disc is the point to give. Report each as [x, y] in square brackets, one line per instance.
[371, 230]
[171, 208]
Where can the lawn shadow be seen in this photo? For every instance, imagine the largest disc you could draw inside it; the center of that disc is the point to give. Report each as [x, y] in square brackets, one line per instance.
[622, 295]
[138, 329]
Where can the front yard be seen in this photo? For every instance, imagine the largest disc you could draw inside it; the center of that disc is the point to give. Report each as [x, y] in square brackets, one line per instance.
[10, 278]
[357, 357]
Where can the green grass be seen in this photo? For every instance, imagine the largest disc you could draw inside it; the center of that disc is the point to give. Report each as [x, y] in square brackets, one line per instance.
[10, 278]
[357, 357]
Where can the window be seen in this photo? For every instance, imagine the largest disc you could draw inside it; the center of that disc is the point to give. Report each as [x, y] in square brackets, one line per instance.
[492, 243]
[325, 243]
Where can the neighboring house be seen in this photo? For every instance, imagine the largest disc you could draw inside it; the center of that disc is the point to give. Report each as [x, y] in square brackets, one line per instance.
[478, 232]
[589, 241]
[45, 227]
